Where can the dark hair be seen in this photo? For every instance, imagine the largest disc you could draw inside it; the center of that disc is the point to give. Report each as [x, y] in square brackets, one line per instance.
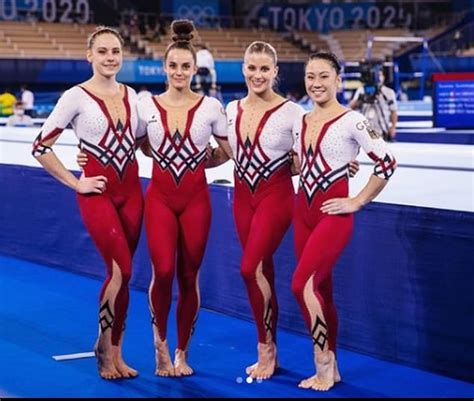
[262, 47]
[182, 36]
[327, 56]
[100, 30]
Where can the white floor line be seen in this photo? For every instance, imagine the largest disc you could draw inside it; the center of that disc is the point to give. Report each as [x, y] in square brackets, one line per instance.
[79, 355]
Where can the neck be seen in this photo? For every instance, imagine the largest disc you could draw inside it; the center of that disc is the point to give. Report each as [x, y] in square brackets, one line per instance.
[178, 95]
[326, 108]
[260, 98]
[105, 84]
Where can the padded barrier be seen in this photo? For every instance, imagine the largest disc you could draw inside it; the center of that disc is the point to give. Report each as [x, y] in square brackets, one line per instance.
[403, 286]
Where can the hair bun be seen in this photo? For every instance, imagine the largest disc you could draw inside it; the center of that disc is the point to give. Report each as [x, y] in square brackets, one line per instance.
[182, 30]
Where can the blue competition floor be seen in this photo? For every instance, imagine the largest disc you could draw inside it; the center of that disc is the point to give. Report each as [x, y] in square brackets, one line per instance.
[46, 311]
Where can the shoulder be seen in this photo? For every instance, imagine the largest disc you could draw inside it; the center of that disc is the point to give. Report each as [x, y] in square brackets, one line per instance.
[213, 102]
[353, 117]
[131, 92]
[72, 94]
[295, 108]
[144, 102]
[231, 106]
[388, 91]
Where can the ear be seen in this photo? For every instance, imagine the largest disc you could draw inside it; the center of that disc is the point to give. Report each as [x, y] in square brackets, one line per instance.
[276, 70]
[243, 68]
[195, 69]
[89, 55]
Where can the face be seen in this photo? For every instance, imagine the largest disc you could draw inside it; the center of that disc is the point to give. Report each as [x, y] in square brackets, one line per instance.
[259, 71]
[19, 110]
[106, 55]
[321, 81]
[180, 68]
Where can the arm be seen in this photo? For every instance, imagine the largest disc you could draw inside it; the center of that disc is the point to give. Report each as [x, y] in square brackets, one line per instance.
[393, 107]
[385, 165]
[351, 205]
[144, 145]
[219, 155]
[61, 116]
[295, 163]
[393, 124]
[83, 185]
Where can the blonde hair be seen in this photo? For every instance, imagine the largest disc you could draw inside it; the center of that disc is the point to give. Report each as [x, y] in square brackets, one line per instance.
[262, 47]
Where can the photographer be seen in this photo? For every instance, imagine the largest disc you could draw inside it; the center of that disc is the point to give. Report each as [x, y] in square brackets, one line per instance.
[377, 102]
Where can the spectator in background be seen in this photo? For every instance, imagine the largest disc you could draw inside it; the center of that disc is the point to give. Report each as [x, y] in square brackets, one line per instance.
[152, 33]
[7, 100]
[28, 100]
[458, 42]
[205, 68]
[19, 118]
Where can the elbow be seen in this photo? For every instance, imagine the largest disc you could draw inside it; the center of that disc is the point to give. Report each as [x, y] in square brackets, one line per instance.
[40, 150]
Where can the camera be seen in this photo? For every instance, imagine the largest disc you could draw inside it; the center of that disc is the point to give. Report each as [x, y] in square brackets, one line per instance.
[369, 75]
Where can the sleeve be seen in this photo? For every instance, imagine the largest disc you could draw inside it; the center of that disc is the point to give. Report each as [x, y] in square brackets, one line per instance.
[63, 113]
[296, 133]
[373, 144]
[141, 115]
[219, 124]
[392, 101]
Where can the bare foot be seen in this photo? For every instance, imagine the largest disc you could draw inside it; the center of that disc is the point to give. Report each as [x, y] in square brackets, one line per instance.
[181, 367]
[105, 363]
[164, 366]
[125, 371]
[323, 380]
[267, 362]
[251, 368]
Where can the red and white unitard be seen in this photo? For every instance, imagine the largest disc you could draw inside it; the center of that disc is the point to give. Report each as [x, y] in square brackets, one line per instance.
[263, 203]
[113, 218]
[320, 238]
[178, 208]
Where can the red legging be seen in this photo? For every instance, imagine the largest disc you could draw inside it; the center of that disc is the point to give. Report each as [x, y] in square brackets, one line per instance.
[177, 226]
[114, 220]
[320, 239]
[262, 219]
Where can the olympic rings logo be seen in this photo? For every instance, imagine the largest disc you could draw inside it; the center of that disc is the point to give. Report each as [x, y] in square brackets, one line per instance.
[200, 15]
